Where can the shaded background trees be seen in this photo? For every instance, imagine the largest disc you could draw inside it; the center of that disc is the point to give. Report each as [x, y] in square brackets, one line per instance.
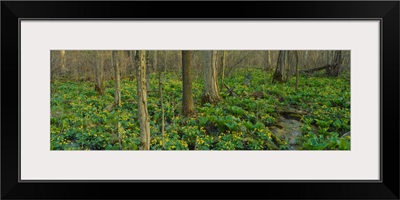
[77, 65]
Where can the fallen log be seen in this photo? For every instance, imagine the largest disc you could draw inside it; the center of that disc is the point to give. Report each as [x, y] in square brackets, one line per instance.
[315, 69]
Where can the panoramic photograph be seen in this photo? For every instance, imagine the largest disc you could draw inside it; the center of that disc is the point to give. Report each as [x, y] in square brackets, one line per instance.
[200, 100]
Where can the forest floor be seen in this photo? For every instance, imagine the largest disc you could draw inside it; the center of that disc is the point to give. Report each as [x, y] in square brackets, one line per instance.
[260, 115]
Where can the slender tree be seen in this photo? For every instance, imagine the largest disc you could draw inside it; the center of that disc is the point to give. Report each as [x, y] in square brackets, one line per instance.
[268, 63]
[148, 68]
[62, 62]
[187, 103]
[297, 70]
[155, 60]
[223, 61]
[160, 93]
[115, 63]
[142, 103]
[98, 68]
[211, 92]
[306, 59]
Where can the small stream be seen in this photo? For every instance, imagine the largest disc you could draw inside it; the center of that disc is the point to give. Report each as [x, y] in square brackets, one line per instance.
[288, 129]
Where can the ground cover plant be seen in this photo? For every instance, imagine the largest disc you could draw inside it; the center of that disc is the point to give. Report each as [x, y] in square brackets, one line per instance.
[253, 112]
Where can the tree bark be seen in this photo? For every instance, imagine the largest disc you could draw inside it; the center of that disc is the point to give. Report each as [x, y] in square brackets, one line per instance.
[280, 68]
[142, 103]
[117, 93]
[148, 68]
[160, 92]
[336, 63]
[297, 70]
[62, 62]
[133, 63]
[187, 103]
[268, 63]
[287, 61]
[305, 63]
[98, 68]
[224, 55]
[211, 92]
[155, 60]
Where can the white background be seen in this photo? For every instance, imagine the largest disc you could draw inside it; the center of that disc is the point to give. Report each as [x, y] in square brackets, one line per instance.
[39, 37]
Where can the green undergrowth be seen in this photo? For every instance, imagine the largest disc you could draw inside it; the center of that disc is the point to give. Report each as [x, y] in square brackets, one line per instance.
[241, 121]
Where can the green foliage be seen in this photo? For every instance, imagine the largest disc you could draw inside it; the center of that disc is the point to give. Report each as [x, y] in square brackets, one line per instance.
[80, 121]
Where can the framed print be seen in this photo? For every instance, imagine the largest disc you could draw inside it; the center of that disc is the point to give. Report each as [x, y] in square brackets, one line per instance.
[163, 95]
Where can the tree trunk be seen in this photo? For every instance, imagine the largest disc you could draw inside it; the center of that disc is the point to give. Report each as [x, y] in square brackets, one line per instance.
[224, 55]
[297, 70]
[62, 62]
[132, 70]
[288, 67]
[187, 103]
[285, 67]
[148, 68]
[155, 60]
[305, 63]
[280, 68]
[160, 93]
[336, 64]
[142, 103]
[98, 68]
[268, 63]
[165, 61]
[211, 92]
[327, 57]
[115, 63]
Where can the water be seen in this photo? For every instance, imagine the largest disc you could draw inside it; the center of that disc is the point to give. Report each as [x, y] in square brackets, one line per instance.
[289, 130]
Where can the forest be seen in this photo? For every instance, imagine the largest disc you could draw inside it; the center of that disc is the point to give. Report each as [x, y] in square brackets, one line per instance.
[200, 100]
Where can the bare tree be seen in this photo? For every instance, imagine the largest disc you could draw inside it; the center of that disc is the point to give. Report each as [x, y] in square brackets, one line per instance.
[211, 92]
[115, 63]
[160, 93]
[62, 62]
[98, 68]
[133, 56]
[268, 63]
[297, 69]
[187, 103]
[285, 67]
[223, 61]
[142, 103]
[335, 64]
[148, 68]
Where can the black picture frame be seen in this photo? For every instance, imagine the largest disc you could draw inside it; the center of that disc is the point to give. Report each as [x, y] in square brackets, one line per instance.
[386, 11]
